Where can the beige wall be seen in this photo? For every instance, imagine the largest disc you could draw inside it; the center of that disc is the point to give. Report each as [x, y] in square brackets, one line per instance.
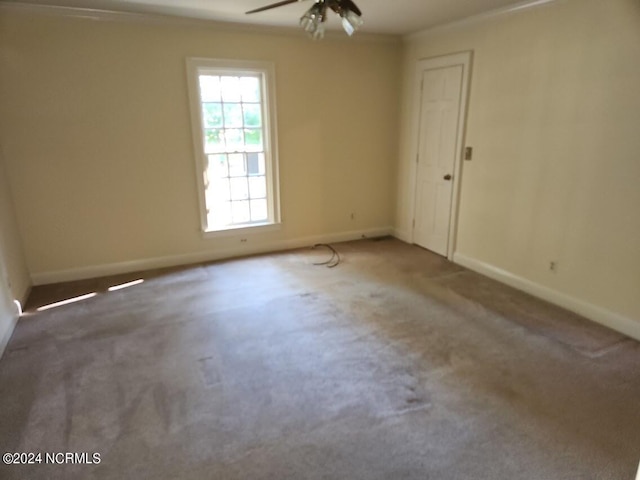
[14, 277]
[95, 125]
[96, 128]
[554, 119]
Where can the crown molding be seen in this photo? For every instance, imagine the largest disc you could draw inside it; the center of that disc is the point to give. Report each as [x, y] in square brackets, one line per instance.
[157, 19]
[481, 17]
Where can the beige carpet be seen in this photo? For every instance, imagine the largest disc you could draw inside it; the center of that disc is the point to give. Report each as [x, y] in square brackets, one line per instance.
[394, 365]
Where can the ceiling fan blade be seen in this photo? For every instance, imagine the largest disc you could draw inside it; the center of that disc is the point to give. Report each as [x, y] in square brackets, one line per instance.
[273, 5]
[351, 6]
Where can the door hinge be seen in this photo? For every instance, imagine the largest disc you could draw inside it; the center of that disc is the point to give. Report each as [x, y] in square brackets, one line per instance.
[414, 223]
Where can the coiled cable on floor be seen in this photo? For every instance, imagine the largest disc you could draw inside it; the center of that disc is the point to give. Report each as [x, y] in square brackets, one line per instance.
[335, 259]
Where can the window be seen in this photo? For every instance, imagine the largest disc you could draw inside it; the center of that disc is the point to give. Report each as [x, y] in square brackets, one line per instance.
[234, 134]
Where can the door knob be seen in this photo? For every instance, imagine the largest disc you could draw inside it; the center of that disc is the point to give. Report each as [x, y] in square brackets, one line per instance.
[447, 177]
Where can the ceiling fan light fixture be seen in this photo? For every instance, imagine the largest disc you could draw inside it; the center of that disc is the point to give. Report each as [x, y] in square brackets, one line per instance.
[351, 21]
[313, 20]
[318, 34]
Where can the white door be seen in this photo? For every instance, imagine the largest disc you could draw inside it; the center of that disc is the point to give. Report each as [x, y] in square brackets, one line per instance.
[439, 124]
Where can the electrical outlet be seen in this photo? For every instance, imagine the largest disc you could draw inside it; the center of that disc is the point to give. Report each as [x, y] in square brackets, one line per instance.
[553, 266]
[468, 153]
[353, 216]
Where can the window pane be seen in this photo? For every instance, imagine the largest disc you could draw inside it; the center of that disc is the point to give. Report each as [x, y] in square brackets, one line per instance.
[258, 187]
[250, 89]
[255, 164]
[219, 191]
[233, 115]
[236, 165]
[252, 115]
[240, 212]
[230, 89]
[239, 189]
[212, 115]
[217, 166]
[234, 141]
[210, 201]
[221, 215]
[258, 210]
[210, 88]
[213, 141]
[253, 139]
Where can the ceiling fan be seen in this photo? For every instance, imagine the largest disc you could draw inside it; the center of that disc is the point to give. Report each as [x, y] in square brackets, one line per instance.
[313, 20]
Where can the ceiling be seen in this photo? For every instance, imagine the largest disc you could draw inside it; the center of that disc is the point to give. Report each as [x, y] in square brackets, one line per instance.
[399, 17]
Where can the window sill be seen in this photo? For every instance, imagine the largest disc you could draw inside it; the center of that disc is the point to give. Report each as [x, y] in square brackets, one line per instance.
[243, 230]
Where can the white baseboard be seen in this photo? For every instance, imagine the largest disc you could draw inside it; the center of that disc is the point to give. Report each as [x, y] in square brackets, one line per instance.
[600, 315]
[95, 271]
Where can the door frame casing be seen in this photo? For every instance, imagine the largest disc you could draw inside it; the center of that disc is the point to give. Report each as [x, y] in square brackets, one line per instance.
[443, 61]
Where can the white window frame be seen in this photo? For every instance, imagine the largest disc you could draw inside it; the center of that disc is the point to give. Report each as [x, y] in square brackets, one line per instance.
[266, 71]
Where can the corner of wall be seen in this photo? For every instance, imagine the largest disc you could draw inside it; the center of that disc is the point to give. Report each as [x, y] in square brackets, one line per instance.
[402, 235]
[6, 330]
[15, 281]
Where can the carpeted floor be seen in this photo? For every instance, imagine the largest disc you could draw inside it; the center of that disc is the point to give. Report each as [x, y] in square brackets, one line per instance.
[394, 365]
